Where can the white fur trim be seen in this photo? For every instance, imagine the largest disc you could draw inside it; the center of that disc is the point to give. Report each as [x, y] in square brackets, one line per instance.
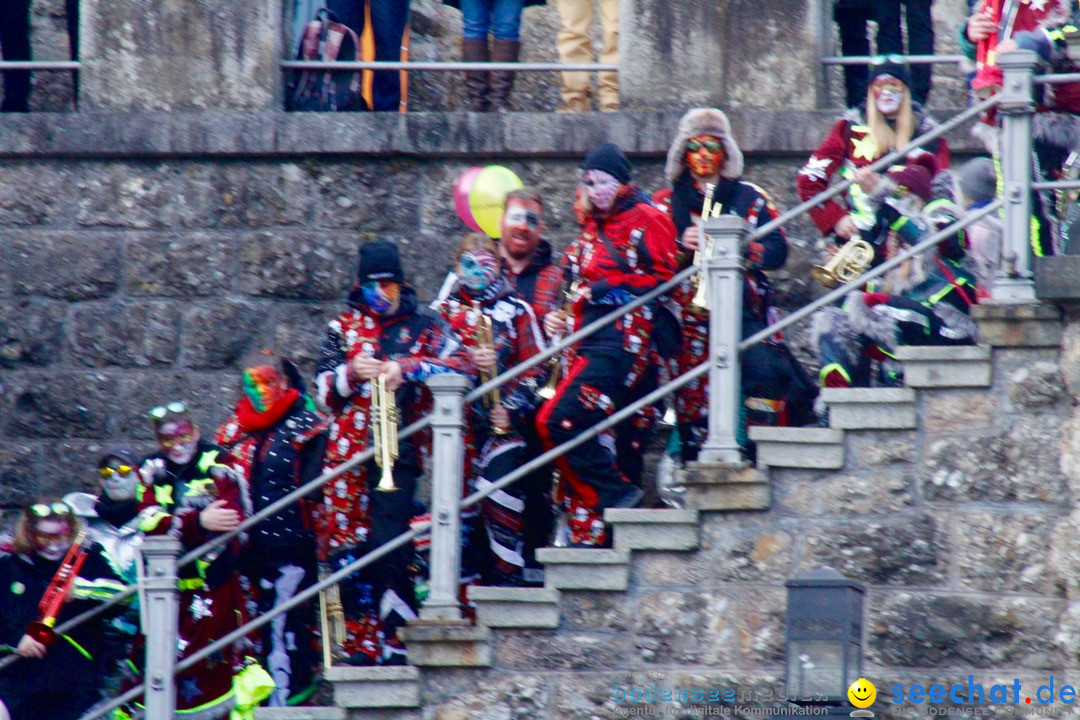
[704, 121]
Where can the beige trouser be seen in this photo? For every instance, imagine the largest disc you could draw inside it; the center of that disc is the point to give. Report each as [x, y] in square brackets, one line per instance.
[576, 47]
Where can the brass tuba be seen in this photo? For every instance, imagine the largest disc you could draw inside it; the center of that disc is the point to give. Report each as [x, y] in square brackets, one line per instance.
[384, 415]
[851, 261]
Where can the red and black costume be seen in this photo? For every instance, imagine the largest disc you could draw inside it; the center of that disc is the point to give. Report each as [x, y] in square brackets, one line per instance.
[538, 283]
[66, 682]
[276, 451]
[488, 456]
[354, 520]
[619, 255]
[212, 597]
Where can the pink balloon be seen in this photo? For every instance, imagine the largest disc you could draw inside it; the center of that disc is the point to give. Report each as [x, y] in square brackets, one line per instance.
[462, 189]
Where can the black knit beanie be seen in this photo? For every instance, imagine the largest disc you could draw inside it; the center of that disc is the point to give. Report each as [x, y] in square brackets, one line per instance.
[610, 159]
[888, 65]
[379, 261]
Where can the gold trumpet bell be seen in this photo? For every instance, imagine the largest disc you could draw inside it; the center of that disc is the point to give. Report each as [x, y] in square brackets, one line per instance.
[851, 261]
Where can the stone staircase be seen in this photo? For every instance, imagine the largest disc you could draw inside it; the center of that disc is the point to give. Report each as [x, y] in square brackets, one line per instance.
[863, 421]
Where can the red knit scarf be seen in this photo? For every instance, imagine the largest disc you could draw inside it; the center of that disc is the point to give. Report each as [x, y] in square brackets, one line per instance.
[251, 420]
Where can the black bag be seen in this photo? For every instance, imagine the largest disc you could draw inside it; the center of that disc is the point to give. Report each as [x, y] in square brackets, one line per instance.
[327, 40]
[801, 392]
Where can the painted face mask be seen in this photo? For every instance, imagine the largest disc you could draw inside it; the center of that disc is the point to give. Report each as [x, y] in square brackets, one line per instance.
[478, 270]
[51, 538]
[381, 296]
[178, 440]
[118, 480]
[704, 155]
[601, 188]
[888, 94]
[263, 386]
[520, 228]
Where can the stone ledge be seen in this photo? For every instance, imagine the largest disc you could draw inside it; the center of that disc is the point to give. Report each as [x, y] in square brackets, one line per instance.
[871, 408]
[424, 134]
[375, 687]
[1057, 278]
[1018, 325]
[719, 486]
[927, 366]
[300, 713]
[585, 568]
[812, 448]
[511, 607]
[447, 643]
[654, 529]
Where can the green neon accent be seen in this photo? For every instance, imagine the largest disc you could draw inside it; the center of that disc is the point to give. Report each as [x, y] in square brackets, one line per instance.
[899, 223]
[825, 370]
[77, 646]
[1036, 248]
[208, 460]
[303, 695]
[205, 706]
[151, 522]
[191, 583]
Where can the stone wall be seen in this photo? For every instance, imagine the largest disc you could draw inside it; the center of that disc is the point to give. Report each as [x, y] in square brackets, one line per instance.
[145, 253]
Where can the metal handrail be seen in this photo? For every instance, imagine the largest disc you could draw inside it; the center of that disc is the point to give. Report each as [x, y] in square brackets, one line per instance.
[518, 369]
[448, 66]
[1060, 79]
[909, 59]
[40, 65]
[1056, 185]
[557, 451]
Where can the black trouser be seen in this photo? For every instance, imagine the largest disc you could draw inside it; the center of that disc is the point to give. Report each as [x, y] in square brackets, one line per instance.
[388, 21]
[851, 17]
[920, 38]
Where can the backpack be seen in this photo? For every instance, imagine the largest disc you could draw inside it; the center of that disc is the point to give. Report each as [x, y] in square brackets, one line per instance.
[327, 40]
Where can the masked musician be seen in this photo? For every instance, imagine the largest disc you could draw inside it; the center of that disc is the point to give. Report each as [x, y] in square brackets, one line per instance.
[192, 495]
[383, 332]
[925, 301]
[60, 680]
[484, 290]
[704, 152]
[1000, 26]
[276, 439]
[890, 120]
[626, 248]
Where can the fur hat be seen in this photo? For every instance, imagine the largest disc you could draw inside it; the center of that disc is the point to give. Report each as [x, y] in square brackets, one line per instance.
[704, 121]
[977, 180]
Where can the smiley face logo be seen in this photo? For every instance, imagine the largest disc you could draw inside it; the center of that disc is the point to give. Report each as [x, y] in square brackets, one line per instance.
[862, 693]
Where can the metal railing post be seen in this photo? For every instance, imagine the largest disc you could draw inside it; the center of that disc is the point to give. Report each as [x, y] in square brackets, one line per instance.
[724, 292]
[447, 464]
[1014, 281]
[162, 598]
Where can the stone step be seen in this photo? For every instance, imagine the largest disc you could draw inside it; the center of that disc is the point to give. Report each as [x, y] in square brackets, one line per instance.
[938, 367]
[512, 607]
[799, 447]
[585, 568]
[300, 713]
[725, 487]
[871, 408]
[654, 529]
[447, 643]
[374, 687]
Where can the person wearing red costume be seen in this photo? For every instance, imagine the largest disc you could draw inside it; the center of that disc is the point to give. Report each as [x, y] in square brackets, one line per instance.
[889, 121]
[626, 248]
[276, 439]
[383, 332]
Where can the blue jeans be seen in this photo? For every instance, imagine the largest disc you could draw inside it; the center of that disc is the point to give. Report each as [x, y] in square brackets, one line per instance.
[499, 17]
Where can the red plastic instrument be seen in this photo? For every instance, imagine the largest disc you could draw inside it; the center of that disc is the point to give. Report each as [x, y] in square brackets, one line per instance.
[988, 77]
[49, 607]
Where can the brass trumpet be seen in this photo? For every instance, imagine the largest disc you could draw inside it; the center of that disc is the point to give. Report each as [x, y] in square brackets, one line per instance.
[851, 261]
[485, 337]
[385, 430]
[568, 290]
[700, 300]
[332, 619]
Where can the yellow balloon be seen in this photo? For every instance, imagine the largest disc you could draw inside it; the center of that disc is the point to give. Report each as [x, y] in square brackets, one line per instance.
[488, 196]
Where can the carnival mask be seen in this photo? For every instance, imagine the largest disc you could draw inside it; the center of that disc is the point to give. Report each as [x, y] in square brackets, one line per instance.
[118, 480]
[888, 94]
[600, 187]
[51, 538]
[381, 296]
[704, 155]
[520, 228]
[178, 440]
[263, 386]
[478, 270]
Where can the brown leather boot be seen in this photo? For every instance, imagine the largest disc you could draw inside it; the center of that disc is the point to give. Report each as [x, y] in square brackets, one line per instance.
[477, 83]
[503, 82]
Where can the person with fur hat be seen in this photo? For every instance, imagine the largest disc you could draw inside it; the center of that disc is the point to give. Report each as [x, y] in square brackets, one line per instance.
[384, 331]
[976, 187]
[889, 121]
[626, 248]
[275, 440]
[704, 152]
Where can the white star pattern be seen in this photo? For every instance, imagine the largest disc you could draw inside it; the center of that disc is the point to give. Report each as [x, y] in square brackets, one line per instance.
[1039, 5]
[200, 608]
[815, 168]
